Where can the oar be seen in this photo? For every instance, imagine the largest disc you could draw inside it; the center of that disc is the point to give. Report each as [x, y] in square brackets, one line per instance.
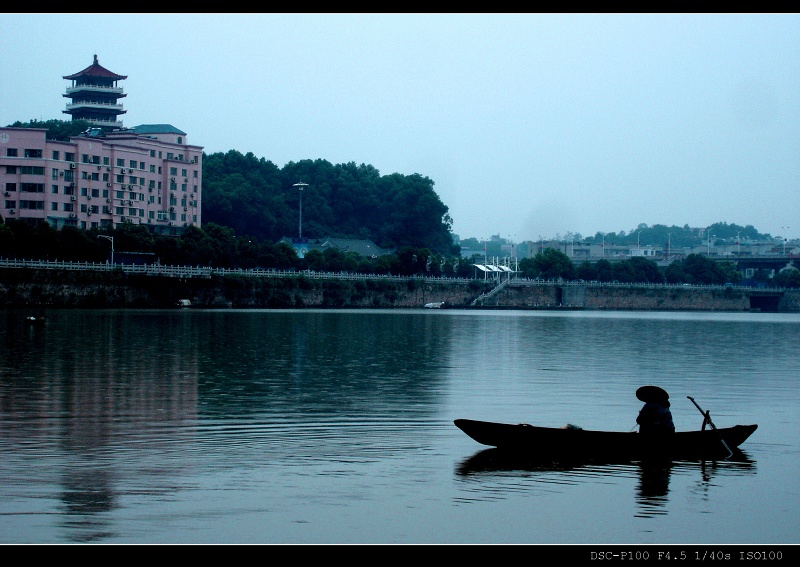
[707, 419]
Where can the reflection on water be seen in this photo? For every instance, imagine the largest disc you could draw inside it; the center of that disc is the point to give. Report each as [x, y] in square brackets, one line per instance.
[495, 473]
[237, 426]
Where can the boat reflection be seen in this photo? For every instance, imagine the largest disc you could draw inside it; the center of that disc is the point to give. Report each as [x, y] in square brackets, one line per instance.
[653, 475]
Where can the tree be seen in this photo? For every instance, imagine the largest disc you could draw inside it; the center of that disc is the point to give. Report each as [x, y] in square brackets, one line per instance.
[674, 273]
[701, 270]
[554, 264]
[788, 277]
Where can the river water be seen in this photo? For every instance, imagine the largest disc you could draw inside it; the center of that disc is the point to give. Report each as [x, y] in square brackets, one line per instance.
[330, 427]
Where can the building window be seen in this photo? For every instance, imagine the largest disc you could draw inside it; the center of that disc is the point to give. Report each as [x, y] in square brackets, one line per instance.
[120, 162]
[11, 169]
[32, 205]
[95, 177]
[119, 211]
[31, 170]
[119, 195]
[183, 173]
[69, 190]
[54, 174]
[152, 169]
[69, 156]
[105, 160]
[95, 192]
[68, 176]
[120, 178]
[69, 207]
[85, 158]
[84, 191]
[11, 186]
[11, 204]
[32, 187]
[152, 153]
[132, 164]
[180, 139]
[53, 206]
[105, 193]
[105, 177]
[56, 155]
[33, 153]
[11, 152]
[54, 189]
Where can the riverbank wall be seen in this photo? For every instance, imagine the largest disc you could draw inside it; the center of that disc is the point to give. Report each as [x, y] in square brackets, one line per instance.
[27, 288]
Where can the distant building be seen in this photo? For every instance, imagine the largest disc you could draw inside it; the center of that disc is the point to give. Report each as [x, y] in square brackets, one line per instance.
[363, 247]
[108, 175]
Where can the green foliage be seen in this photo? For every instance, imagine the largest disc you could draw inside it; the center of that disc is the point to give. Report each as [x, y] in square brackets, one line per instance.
[788, 277]
[255, 197]
[57, 130]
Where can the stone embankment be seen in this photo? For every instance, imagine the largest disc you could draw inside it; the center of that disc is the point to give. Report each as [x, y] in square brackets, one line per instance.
[53, 289]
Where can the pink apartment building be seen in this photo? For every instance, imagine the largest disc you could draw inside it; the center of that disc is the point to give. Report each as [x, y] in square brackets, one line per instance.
[107, 176]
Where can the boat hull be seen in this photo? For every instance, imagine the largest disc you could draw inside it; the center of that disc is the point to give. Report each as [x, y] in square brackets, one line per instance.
[588, 444]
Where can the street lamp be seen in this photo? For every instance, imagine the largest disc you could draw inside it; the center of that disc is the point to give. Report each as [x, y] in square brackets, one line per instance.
[300, 222]
[111, 238]
[604, 245]
[710, 236]
[783, 228]
[669, 244]
[738, 244]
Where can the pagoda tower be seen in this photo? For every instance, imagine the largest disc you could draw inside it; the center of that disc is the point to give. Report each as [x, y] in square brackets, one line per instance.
[94, 95]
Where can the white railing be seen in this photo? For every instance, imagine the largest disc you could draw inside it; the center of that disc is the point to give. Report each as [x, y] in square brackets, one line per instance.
[207, 271]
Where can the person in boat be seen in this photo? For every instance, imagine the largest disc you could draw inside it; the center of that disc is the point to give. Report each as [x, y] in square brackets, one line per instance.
[655, 416]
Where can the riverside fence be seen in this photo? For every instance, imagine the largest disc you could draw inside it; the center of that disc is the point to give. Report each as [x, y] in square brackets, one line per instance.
[208, 271]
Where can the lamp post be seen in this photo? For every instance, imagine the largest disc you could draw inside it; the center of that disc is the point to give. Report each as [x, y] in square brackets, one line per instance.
[669, 244]
[738, 244]
[300, 222]
[604, 245]
[111, 238]
[783, 228]
[710, 236]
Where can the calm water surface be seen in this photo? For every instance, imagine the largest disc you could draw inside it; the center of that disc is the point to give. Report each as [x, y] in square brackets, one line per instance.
[251, 426]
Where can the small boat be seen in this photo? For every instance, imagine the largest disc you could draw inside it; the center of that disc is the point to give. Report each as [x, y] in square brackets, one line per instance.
[570, 442]
[184, 303]
[36, 320]
[434, 305]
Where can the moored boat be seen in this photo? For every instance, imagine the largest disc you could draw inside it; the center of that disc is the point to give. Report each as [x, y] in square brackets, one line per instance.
[574, 442]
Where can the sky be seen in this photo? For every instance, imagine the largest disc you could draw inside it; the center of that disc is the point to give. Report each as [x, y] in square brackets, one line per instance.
[530, 125]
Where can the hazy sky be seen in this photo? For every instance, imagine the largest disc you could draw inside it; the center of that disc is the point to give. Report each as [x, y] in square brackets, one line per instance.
[528, 124]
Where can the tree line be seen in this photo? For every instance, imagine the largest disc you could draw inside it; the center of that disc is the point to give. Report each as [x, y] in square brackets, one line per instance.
[249, 204]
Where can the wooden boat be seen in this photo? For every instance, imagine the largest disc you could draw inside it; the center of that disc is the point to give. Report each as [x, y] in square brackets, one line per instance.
[36, 320]
[575, 443]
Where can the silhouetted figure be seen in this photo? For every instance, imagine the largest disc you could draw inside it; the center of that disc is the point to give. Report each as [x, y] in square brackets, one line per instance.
[654, 417]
